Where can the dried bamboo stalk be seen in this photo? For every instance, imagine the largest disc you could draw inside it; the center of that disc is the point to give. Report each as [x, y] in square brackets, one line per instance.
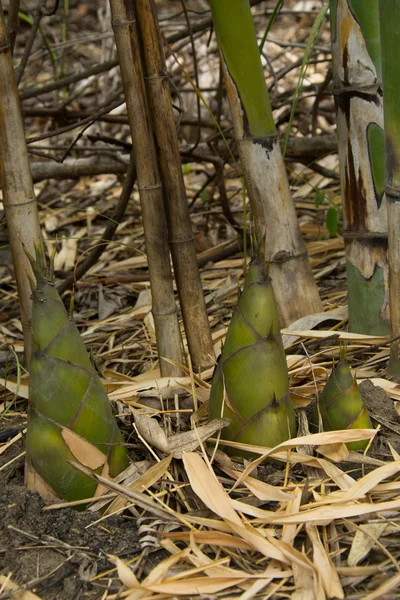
[180, 233]
[262, 162]
[356, 65]
[18, 195]
[150, 188]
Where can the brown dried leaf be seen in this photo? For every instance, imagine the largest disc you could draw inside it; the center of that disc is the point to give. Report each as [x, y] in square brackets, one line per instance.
[195, 586]
[126, 575]
[176, 445]
[35, 483]
[304, 584]
[207, 487]
[369, 481]
[289, 531]
[326, 570]
[326, 514]
[335, 452]
[152, 432]
[260, 489]
[216, 538]
[382, 590]
[149, 478]
[190, 440]
[17, 387]
[365, 538]
[11, 588]
[85, 452]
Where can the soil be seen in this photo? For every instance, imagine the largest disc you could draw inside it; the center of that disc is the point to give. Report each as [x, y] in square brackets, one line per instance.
[53, 554]
[382, 412]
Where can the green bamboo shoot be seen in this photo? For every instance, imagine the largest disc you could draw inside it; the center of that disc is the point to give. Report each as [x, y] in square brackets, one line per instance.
[250, 384]
[340, 405]
[70, 416]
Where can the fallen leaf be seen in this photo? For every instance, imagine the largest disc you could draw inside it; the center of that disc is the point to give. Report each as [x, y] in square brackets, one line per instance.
[85, 452]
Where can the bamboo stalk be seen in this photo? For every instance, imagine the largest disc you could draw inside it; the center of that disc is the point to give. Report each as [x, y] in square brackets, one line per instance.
[358, 96]
[12, 21]
[150, 188]
[20, 205]
[261, 161]
[389, 15]
[180, 233]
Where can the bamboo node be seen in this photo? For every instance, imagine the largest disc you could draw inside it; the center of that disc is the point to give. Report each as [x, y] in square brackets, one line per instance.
[392, 193]
[151, 78]
[182, 240]
[164, 313]
[122, 22]
[284, 256]
[30, 200]
[365, 235]
[371, 89]
[143, 188]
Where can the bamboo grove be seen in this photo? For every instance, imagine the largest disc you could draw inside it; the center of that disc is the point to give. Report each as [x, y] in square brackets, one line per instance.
[69, 412]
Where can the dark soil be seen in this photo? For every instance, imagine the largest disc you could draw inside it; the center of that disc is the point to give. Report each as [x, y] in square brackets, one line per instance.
[382, 412]
[51, 552]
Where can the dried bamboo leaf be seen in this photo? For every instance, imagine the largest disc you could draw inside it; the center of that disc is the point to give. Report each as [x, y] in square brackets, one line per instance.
[15, 386]
[304, 584]
[369, 481]
[343, 336]
[176, 445]
[151, 431]
[207, 487]
[190, 440]
[144, 481]
[214, 538]
[85, 452]
[381, 591]
[15, 591]
[135, 497]
[336, 452]
[363, 541]
[293, 506]
[195, 586]
[261, 489]
[326, 514]
[126, 575]
[323, 564]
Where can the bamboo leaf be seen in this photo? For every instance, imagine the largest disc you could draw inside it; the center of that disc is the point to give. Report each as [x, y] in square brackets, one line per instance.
[207, 487]
[85, 452]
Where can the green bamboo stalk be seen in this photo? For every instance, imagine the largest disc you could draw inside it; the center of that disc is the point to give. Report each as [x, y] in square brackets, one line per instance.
[181, 238]
[20, 204]
[150, 189]
[356, 65]
[389, 15]
[261, 161]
